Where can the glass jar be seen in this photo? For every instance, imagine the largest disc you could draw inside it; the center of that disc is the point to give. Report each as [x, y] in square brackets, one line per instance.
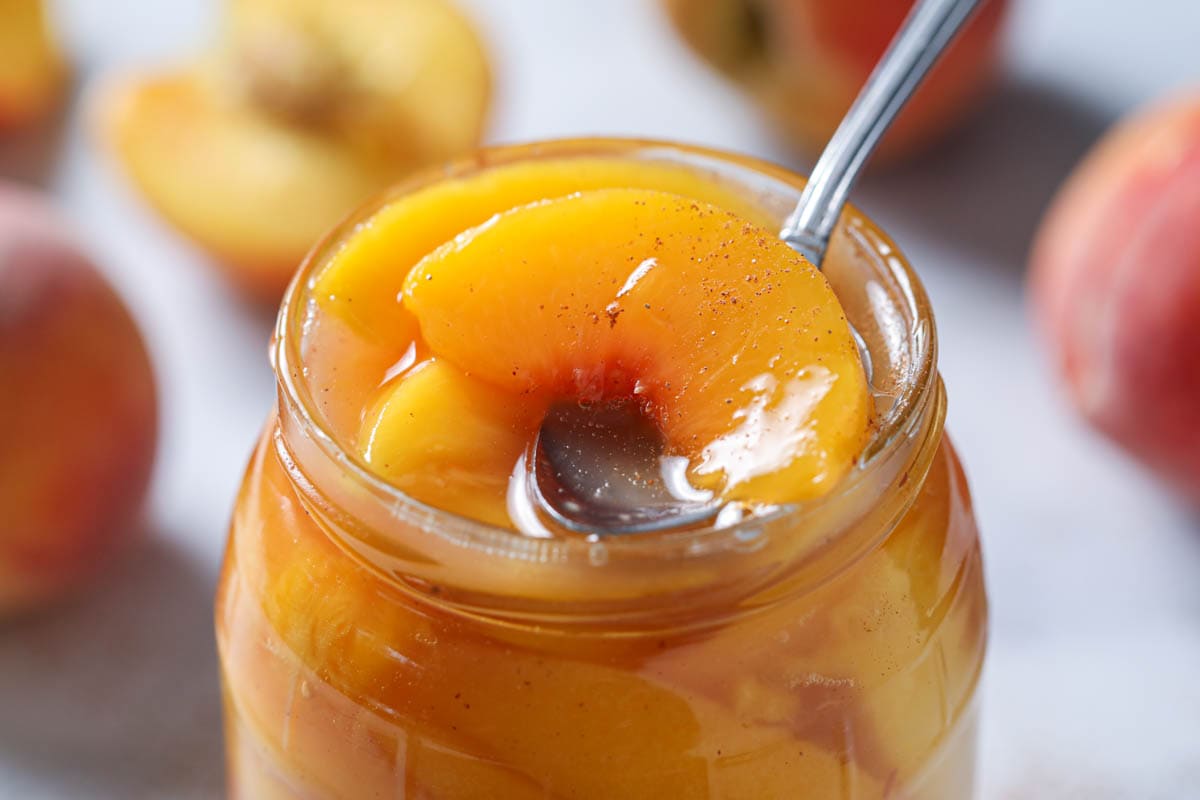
[375, 647]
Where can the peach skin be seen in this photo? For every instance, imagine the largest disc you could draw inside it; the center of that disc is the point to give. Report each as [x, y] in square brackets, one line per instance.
[1115, 282]
[77, 409]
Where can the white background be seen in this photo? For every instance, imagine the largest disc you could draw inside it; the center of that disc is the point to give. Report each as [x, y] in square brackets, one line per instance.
[1093, 683]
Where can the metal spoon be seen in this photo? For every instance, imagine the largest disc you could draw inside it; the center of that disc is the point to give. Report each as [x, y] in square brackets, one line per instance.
[601, 469]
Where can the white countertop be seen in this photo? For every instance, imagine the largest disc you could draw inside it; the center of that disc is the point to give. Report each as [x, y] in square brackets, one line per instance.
[1093, 683]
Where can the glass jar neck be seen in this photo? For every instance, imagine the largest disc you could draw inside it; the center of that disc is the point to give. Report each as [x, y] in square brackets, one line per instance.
[682, 577]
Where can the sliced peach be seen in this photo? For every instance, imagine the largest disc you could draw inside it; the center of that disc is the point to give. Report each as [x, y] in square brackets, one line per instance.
[876, 664]
[594, 732]
[448, 439]
[364, 278]
[31, 66]
[302, 720]
[359, 634]
[582, 729]
[306, 110]
[735, 343]
[343, 370]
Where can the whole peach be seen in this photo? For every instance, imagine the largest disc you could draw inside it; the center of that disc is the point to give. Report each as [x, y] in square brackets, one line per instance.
[77, 409]
[1115, 280]
[804, 61]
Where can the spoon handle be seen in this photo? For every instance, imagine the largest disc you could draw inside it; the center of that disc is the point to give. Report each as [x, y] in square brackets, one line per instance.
[930, 26]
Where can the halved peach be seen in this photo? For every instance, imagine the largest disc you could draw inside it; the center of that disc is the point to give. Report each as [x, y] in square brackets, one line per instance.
[405, 78]
[735, 345]
[31, 66]
[306, 110]
[254, 193]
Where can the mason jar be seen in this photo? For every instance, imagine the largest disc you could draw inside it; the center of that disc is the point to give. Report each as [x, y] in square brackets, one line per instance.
[372, 646]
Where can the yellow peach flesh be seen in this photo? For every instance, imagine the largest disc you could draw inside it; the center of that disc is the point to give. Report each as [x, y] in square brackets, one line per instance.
[302, 113]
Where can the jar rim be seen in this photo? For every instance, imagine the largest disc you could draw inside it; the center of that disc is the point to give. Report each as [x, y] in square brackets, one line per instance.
[901, 425]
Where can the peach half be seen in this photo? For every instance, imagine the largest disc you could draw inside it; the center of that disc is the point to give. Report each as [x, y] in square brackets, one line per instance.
[303, 111]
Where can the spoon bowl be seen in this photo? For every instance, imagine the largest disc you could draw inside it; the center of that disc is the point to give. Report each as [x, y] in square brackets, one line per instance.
[601, 468]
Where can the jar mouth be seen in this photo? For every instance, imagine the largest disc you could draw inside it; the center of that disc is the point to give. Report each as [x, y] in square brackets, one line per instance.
[884, 300]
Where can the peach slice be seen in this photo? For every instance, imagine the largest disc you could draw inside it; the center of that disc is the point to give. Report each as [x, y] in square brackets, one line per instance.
[875, 664]
[305, 110]
[364, 278]
[736, 345]
[31, 66]
[405, 439]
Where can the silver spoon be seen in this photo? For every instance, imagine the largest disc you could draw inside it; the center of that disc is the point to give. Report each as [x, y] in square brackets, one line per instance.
[601, 469]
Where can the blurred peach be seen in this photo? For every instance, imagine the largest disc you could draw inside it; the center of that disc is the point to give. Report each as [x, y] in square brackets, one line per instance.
[804, 61]
[1115, 283]
[77, 409]
[303, 110]
[32, 71]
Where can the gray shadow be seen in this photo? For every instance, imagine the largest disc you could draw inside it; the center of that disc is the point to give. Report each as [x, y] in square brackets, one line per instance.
[986, 187]
[116, 694]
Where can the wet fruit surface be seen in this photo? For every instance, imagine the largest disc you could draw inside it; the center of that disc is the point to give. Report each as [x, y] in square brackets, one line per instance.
[724, 337]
